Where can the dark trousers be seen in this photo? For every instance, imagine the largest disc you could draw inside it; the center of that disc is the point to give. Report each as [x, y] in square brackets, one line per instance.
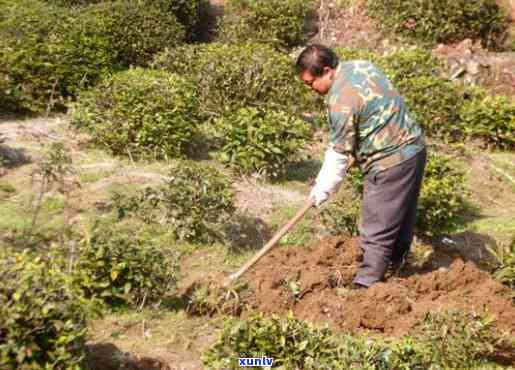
[389, 210]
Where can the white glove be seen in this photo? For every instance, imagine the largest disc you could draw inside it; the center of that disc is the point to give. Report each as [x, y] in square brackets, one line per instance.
[330, 176]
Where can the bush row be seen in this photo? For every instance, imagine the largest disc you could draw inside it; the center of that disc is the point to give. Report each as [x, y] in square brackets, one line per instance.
[237, 99]
[51, 49]
[236, 76]
[442, 21]
[49, 52]
[467, 342]
[281, 23]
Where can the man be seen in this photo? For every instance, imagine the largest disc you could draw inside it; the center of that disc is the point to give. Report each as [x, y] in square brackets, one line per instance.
[369, 125]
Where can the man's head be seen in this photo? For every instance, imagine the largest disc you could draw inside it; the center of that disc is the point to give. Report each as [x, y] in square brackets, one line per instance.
[316, 66]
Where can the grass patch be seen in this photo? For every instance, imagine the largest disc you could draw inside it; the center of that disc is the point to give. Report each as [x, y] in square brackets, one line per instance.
[6, 188]
[13, 218]
[499, 225]
[302, 234]
[92, 177]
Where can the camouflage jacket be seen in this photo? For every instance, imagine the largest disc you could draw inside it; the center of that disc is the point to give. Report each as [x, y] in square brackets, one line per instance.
[369, 119]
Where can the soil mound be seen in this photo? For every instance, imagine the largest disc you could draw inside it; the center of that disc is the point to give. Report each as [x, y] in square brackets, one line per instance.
[312, 282]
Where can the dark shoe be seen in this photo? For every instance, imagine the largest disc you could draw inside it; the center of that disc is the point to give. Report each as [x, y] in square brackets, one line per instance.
[397, 265]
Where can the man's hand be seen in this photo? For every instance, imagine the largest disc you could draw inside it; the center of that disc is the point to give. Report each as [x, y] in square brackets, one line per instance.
[319, 195]
[330, 176]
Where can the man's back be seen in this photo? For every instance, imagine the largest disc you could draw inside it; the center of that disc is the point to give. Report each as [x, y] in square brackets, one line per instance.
[369, 119]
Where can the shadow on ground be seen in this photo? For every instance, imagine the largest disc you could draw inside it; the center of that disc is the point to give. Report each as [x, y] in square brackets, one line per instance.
[302, 171]
[12, 157]
[106, 356]
[247, 232]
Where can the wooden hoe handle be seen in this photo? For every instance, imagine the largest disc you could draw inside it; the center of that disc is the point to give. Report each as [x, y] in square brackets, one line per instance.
[275, 239]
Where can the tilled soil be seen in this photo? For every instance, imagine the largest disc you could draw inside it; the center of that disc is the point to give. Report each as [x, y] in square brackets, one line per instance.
[312, 282]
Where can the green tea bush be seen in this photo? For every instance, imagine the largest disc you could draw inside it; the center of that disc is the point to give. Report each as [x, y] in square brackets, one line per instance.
[105, 37]
[457, 338]
[140, 112]
[505, 269]
[236, 76]
[410, 63]
[442, 196]
[441, 21]
[283, 23]
[346, 54]
[121, 267]
[290, 342]
[254, 140]
[434, 102]
[400, 65]
[42, 317]
[49, 52]
[341, 216]
[443, 341]
[192, 14]
[28, 78]
[491, 119]
[73, 2]
[193, 201]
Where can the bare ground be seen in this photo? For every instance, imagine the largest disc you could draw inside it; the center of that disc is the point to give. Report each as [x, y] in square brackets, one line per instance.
[323, 272]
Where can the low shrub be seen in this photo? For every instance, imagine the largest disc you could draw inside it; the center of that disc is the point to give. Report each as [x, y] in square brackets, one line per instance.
[443, 340]
[442, 21]
[119, 266]
[192, 14]
[341, 215]
[254, 140]
[442, 196]
[42, 317]
[28, 78]
[140, 112]
[505, 268]
[73, 2]
[434, 102]
[346, 54]
[283, 23]
[236, 76]
[400, 65]
[108, 36]
[491, 119]
[290, 342]
[194, 200]
[411, 63]
[457, 339]
[49, 52]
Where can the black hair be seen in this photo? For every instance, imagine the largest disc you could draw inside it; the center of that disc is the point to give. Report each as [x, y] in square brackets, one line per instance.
[314, 58]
